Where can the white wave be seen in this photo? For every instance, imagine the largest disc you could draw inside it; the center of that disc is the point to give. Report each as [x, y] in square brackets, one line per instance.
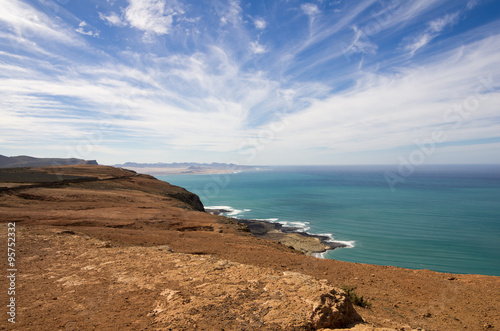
[234, 212]
[329, 235]
[347, 243]
[230, 210]
[319, 255]
[301, 226]
[219, 207]
[298, 225]
[273, 220]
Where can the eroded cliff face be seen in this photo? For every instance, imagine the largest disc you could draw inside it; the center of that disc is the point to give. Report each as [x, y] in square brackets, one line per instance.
[190, 198]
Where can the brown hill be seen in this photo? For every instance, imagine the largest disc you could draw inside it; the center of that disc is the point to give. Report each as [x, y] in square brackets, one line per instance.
[29, 161]
[106, 248]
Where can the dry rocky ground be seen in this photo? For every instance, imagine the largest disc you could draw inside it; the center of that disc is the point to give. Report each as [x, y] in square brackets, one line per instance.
[127, 252]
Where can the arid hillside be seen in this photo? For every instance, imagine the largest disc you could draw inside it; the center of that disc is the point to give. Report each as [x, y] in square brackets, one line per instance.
[106, 248]
[29, 161]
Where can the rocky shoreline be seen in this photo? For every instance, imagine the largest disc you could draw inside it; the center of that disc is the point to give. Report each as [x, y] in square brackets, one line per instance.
[289, 236]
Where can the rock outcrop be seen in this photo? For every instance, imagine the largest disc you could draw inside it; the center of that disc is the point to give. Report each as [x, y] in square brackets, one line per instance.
[240, 296]
[189, 198]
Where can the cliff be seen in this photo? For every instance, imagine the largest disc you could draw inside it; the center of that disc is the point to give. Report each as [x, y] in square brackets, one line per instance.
[124, 250]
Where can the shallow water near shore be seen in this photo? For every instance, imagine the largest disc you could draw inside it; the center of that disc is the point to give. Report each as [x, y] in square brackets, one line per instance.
[443, 218]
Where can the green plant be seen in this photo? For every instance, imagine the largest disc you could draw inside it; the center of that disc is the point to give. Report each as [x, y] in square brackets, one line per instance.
[355, 298]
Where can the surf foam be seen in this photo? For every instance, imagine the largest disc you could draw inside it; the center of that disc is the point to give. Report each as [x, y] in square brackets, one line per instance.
[298, 226]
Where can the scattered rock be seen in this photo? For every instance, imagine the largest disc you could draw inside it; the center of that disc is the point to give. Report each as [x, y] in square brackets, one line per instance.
[104, 244]
[67, 232]
[165, 248]
[260, 298]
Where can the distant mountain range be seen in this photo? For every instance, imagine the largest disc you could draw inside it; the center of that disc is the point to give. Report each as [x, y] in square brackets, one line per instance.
[181, 165]
[29, 161]
[185, 168]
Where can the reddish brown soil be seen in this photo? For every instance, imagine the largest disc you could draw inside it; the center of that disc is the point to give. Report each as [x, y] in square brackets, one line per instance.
[139, 211]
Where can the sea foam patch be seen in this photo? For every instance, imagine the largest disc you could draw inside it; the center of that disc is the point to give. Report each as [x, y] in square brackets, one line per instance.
[300, 226]
[319, 255]
[347, 243]
[271, 220]
[226, 210]
[296, 226]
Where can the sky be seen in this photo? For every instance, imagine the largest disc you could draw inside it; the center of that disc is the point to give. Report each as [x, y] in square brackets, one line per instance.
[251, 82]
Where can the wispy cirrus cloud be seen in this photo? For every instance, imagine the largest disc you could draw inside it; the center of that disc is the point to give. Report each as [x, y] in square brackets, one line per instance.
[113, 19]
[24, 21]
[231, 14]
[172, 80]
[407, 12]
[360, 43]
[472, 3]
[81, 30]
[260, 23]
[435, 27]
[390, 111]
[257, 48]
[310, 9]
[152, 16]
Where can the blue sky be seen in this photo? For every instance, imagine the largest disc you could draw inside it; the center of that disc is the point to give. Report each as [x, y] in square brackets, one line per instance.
[251, 82]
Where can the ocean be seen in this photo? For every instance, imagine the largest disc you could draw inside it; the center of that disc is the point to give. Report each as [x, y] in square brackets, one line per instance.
[442, 218]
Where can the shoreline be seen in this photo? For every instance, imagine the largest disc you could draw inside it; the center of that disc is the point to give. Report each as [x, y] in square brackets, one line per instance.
[182, 171]
[307, 243]
[194, 170]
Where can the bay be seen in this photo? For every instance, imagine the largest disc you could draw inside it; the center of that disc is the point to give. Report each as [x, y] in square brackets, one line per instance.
[442, 218]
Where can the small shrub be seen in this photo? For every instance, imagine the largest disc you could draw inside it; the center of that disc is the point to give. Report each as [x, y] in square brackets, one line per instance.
[355, 298]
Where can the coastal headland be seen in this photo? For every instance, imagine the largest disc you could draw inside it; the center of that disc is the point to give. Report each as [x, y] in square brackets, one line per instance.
[101, 247]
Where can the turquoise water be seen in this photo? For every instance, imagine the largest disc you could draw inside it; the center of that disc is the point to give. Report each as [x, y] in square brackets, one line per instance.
[441, 218]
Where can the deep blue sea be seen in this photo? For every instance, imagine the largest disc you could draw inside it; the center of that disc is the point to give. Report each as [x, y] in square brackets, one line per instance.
[442, 218]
